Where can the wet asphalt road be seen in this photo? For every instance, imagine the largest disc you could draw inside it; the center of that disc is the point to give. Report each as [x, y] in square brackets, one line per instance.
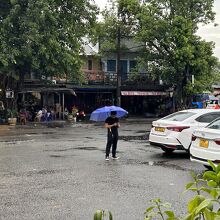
[60, 173]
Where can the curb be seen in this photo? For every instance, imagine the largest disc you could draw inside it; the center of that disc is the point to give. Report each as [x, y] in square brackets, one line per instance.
[50, 124]
[4, 127]
[140, 119]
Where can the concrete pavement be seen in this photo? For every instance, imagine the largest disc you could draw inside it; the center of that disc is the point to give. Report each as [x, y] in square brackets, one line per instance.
[60, 173]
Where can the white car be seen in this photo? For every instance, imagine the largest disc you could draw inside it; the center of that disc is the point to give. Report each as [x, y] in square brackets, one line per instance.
[206, 144]
[174, 131]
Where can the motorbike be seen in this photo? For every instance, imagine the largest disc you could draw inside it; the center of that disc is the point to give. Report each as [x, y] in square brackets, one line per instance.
[80, 115]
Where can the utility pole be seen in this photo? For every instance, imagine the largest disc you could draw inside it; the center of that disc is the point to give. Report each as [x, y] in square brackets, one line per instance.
[118, 60]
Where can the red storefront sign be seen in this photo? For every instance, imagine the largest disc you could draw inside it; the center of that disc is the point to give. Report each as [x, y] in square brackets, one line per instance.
[143, 93]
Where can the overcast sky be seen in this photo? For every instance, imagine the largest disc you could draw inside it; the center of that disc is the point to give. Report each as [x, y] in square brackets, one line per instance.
[208, 32]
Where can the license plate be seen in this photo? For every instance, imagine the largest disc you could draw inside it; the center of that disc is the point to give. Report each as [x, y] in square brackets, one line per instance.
[204, 143]
[159, 129]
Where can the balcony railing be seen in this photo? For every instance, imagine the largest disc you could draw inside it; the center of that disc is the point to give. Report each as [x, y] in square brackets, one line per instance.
[94, 76]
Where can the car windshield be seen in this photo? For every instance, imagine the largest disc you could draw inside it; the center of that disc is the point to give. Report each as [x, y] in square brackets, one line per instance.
[179, 116]
[215, 124]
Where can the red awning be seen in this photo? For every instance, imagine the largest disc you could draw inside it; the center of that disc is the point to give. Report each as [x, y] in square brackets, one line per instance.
[143, 93]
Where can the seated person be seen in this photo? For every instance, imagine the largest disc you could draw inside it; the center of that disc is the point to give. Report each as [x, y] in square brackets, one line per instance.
[44, 114]
[23, 116]
[52, 113]
[38, 116]
[49, 116]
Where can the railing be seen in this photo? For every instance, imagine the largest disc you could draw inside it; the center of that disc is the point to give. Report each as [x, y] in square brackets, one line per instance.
[94, 76]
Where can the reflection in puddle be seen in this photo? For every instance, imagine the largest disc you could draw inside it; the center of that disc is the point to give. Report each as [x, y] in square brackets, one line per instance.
[142, 131]
[163, 163]
[85, 148]
[130, 138]
[57, 156]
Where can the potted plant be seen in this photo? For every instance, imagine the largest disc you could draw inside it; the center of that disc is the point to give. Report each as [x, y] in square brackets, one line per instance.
[12, 116]
[72, 115]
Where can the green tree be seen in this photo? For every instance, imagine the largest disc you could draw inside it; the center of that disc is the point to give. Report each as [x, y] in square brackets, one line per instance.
[44, 37]
[204, 82]
[119, 22]
[173, 50]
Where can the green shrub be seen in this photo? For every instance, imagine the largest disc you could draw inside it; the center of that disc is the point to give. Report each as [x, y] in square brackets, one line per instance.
[102, 215]
[200, 207]
[12, 113]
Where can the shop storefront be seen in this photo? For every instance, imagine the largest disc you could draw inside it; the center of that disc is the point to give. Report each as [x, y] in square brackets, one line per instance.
[148, 103]
[89, 99]
[56, 99]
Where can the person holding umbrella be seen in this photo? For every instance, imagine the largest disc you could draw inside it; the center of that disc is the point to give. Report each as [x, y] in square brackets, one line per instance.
[112, 124]
[108, 115]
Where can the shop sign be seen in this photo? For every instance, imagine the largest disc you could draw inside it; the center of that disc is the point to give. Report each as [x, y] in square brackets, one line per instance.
[9, 94]
[143, 93]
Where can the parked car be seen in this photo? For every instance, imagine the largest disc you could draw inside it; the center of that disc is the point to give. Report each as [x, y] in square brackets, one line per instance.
[206, 144]
[174, 131]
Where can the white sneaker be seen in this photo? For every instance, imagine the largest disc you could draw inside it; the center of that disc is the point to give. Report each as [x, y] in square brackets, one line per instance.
[107, 158]
[115, 158]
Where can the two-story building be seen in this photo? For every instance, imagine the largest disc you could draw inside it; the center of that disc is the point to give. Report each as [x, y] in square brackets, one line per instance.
[94, 92]
[139, 96]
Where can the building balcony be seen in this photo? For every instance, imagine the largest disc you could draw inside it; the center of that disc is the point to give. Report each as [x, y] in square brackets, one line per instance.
[94, 76]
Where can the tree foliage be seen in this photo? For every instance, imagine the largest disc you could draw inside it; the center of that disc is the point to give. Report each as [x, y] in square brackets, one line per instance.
[120, 15]
[204, 82]
[44, 36]
[173, 50]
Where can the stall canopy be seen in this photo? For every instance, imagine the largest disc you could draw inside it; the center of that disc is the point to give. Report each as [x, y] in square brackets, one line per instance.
[48, 90]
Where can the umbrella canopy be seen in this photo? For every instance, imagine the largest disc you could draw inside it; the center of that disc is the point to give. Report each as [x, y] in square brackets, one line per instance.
[101, 114]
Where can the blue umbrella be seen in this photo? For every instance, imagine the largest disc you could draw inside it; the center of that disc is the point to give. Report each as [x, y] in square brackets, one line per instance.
[101, 114]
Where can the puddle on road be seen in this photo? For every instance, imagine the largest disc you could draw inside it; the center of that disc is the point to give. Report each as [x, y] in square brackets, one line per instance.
[147, 149]
[47, 132]
[17, 141]
[41, 172]
[142, 131]
[163, 163]
[59, 150]
[39, 133]
[57, 156]
[46, 172]
[72, 148]
[89, 138]
[31, 173]
[86, 148]
[131, 138]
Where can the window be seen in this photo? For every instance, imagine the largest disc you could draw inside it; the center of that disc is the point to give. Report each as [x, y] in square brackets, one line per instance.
[179, 116]
[132, 64]
[207, 118]
[111, 65]
[89, 64]
[215, 125]
[101, 65]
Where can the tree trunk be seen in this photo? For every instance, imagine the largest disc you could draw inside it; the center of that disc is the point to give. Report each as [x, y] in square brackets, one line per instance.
[21, 81]
[118, 101]
[3, 86]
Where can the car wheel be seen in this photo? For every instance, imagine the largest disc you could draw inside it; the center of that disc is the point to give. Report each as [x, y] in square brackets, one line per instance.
[167, 150]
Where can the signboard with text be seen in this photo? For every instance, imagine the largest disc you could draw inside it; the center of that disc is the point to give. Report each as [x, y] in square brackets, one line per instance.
[9, 94]
[143, 93]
